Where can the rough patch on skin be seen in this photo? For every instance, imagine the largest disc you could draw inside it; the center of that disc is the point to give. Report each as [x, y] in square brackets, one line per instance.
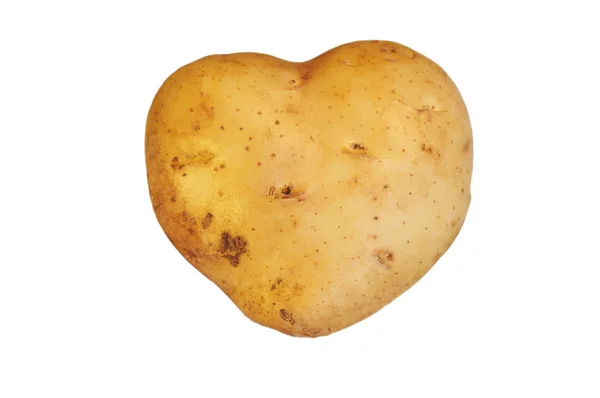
[275, 284]
[422, 109]
[357, 149]
[287, 191]
[431, 151]
[203, 156]
[207, 220]
[467, 146]
[385, 257]
[232, 248]
[287, 316]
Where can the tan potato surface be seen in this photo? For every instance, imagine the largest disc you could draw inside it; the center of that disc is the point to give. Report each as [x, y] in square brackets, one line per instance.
[315, 193]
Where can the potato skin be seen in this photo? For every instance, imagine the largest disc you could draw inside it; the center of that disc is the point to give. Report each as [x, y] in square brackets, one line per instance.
[314, 193]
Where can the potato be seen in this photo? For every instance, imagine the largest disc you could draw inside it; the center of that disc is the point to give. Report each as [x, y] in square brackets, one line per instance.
[313, 193]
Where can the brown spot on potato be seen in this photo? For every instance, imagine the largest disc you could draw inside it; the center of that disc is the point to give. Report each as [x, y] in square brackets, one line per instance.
[276, 283]
[207, 220]
[307, 75]
[385, 257]
[187, 218]
[357, 149]
[232, 248]
[426, 148]
[287, 316]
[287, 190]
[467, 146]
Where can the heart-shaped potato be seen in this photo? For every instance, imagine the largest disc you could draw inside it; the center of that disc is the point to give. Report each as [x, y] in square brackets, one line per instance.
[313, 193]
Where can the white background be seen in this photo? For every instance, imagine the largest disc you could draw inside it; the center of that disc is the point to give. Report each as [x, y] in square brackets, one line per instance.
[95, 302]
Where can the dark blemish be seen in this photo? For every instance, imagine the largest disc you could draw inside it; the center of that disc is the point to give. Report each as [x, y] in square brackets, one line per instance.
[222, 166]
[385, 187]
[375, 218]
[273, 155]
[287, 316]
[467, 146]
[259, 113]
[184, 174]
[173, 198]
[385, 257]
[232, 248]
[222, 128]
[306, 76]
[276, 121]
[358, 146]
[247, 148]
[426, 148]
[191, 110]
[175, 159]
[258, 164]
[410, 193]
[237, 109]
[277, 283]
[286, 190]
[254, 229]
[207, 220]
[241, 128]
[186, 217]
[220, 193]
[292, 81]
[189, 253]
[280, 135]
[191, 231]
[249, 138]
